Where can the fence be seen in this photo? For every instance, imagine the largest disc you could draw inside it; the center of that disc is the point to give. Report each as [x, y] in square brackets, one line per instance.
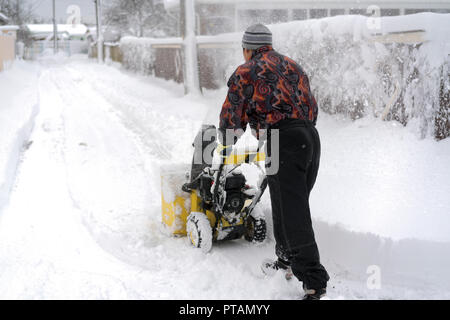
[68, 47]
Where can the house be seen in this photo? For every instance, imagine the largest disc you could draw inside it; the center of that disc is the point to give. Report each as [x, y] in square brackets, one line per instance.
[71, 39]
[8, 36]
[64, 31]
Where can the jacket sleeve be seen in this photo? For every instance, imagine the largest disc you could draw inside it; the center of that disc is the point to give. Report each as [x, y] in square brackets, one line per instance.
[308, 98]
[233, 115]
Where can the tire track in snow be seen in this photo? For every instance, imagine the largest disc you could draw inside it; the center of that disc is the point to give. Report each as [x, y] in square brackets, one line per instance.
[42, 243]
[128, 229]
[103, 215]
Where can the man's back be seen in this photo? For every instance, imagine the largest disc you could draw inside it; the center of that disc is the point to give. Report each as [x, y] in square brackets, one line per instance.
[268, 88]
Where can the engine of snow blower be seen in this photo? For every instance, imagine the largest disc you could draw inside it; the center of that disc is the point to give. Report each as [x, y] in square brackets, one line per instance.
[218, 203]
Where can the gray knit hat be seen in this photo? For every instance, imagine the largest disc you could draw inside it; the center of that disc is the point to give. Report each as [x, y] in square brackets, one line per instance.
[256, 36]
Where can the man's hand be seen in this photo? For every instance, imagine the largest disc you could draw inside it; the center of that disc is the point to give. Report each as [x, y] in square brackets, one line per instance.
[220, 154]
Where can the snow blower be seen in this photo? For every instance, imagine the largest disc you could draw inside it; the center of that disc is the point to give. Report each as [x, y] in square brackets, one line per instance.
[214, 204]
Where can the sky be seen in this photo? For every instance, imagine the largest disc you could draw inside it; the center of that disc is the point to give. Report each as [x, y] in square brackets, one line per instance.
[43, 8]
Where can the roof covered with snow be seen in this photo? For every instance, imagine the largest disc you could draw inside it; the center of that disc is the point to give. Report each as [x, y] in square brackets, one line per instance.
[9, 28]
[72, 30]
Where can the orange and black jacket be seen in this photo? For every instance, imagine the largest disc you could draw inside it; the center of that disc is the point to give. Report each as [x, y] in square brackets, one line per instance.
[268, 88]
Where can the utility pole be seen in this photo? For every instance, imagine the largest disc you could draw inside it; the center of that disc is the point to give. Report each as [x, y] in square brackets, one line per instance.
[19, 16]
[191, 76]
[55, 30]
[98, 13]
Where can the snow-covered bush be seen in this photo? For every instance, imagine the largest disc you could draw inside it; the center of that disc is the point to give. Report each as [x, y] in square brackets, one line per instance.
[355, 75]
[138, 55]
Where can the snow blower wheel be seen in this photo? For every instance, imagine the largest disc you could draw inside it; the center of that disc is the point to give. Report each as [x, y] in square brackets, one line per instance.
[255, 230]
[199, 231]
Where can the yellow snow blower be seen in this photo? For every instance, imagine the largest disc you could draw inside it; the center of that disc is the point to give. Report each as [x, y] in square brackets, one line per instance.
[213, 204]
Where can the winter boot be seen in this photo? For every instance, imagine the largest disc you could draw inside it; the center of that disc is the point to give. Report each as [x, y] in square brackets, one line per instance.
[270, 267]
[314, 294]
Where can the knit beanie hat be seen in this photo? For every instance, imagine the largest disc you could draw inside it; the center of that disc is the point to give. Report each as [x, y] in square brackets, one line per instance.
[256, 36]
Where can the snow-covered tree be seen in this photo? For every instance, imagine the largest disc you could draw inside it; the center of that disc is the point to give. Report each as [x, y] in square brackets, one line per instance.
[18, 11]
[141, 18]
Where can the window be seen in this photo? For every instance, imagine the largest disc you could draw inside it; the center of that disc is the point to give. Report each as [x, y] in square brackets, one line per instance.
[299, 14]
[277, 16]
[390, 12]
[337, 12]
[440, 10]
[249, 17]
[413, 11]
[318, 13]
[362, 12]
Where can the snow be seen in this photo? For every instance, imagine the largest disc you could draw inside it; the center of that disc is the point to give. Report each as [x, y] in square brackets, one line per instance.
[83, 148]
[391, 176]
[71, 29]
[19, 104]
[83, 219]
[9, 28]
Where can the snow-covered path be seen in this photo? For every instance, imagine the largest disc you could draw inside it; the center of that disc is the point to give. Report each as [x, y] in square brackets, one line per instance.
[83, 219]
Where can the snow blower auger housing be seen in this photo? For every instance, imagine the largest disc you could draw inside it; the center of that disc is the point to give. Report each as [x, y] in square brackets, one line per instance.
[215, 204]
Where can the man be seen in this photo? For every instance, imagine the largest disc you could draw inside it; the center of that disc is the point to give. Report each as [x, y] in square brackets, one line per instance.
[270, 91]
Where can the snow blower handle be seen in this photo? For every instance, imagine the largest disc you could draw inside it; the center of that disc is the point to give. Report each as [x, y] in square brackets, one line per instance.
[251, 156]
[220, 155]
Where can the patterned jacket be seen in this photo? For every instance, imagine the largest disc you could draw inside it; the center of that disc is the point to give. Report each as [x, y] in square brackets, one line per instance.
[268, 88]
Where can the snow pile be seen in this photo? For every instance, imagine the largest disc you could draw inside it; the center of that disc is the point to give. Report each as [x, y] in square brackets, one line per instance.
[19, 105]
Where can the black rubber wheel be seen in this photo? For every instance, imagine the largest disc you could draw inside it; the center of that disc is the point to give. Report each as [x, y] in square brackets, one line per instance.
[255, 230]
[199, 231]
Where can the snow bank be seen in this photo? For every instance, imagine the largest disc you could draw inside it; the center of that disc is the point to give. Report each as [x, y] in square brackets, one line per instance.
[19, 105]
[417, 263]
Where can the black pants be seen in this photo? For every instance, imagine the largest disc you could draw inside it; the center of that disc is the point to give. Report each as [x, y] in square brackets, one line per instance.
[299, 157]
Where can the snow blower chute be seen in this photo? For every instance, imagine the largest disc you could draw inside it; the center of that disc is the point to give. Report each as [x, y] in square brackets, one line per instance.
[217, 204]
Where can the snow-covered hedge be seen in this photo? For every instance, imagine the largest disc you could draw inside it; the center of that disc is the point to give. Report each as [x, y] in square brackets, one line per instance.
[353, 74]
[137, 54]
[350, 72]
